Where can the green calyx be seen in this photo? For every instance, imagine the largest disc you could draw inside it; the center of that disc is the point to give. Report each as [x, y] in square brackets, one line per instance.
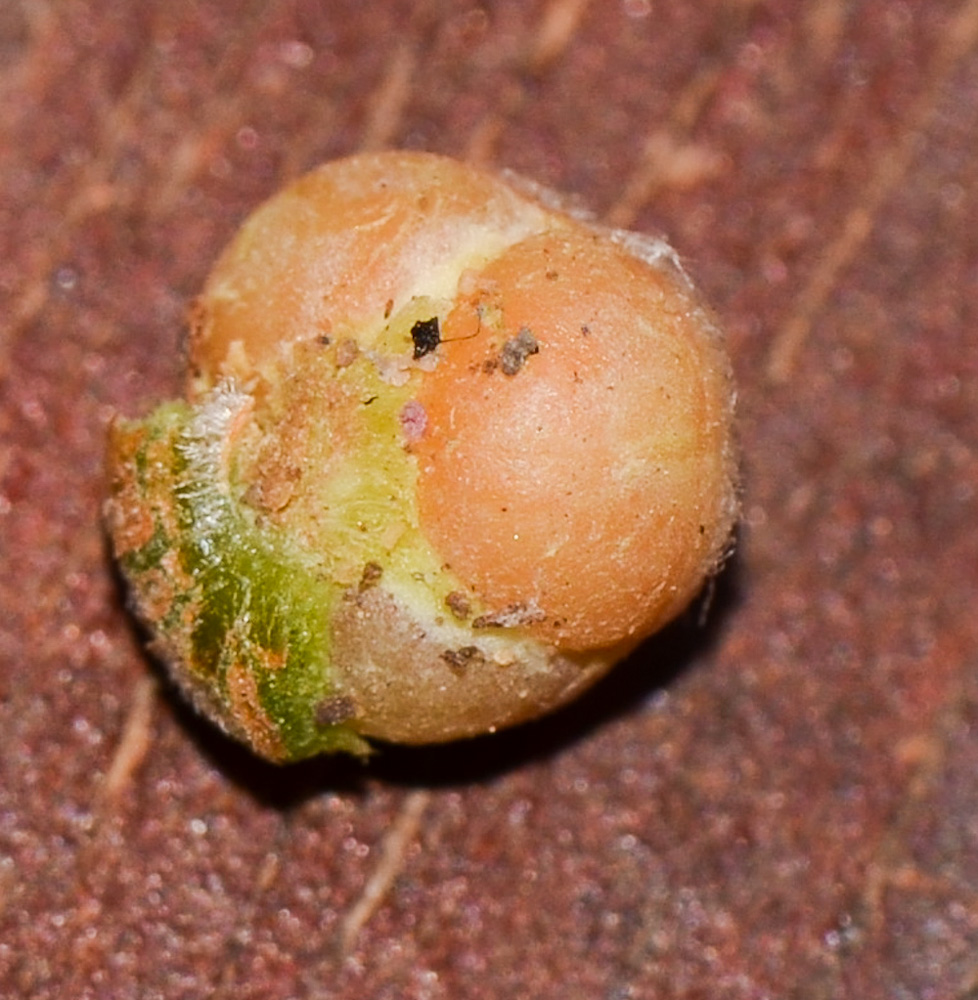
[249, 522]
[240, 618]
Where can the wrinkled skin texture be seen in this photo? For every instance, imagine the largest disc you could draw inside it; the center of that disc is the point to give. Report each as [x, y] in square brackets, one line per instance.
[447, 454]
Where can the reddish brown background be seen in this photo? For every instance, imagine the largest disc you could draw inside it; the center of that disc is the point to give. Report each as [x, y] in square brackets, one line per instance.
[781, 804]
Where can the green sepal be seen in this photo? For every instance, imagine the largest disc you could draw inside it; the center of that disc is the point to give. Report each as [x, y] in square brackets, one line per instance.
[240, 617]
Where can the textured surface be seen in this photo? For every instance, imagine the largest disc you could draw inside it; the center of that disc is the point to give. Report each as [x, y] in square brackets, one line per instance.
[781, 804]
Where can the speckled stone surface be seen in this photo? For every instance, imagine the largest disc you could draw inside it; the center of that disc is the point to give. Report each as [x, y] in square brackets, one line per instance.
[782, 803]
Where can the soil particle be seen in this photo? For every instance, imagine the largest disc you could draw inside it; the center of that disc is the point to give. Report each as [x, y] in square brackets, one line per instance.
[460, 659]
[516, 350]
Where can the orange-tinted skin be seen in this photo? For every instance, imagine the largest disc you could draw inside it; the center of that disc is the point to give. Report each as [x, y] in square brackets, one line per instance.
[593, 489]
[590, 482]
[342, 246]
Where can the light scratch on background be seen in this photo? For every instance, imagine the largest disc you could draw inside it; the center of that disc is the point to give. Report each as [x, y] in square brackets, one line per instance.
[892, 166]
[393, 853]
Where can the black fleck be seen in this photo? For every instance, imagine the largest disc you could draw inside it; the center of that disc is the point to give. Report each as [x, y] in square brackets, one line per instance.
[426, 336]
